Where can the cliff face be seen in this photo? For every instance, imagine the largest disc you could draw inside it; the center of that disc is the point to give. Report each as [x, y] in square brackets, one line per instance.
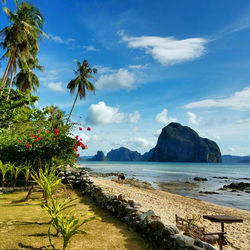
[123, 154]
[99, 157]
[178, 143]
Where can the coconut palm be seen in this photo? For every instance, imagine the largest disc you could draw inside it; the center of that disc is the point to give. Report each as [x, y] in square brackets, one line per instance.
[26, 81]
[21, 38]
[81, 82]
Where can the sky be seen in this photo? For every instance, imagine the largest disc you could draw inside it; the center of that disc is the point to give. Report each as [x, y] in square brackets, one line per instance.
[158, 62]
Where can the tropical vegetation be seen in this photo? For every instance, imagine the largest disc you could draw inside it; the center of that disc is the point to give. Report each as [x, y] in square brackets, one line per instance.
[81, 82]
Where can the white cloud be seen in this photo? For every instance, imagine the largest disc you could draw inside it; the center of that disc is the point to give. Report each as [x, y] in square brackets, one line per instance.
[61, 40]
[138, 66]
[239, 100]
[103, 69]
[231, 149]
[157, 133]
[123, 79]
[134, 117]
[100, 113]
[56, 86]
[137, 142]
[192, 118]
[163, 117]
[167, 50]
[243, 121]
[215, 137]
[49, 76]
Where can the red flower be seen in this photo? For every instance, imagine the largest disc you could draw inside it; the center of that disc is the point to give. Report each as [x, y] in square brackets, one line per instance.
[80, 128]
[56, 131]
[74, 123]
[77, 137]
[75, 160]
[80, 139]
[35, 139]
[32, 136]
[39, 138]
[88, 128]
[78, 155]
[27, 145]
[19, 141]
[76, 149]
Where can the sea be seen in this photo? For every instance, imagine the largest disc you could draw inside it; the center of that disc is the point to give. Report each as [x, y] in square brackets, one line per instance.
[176, 174]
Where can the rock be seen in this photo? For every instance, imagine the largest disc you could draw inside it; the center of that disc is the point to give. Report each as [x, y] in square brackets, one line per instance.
[148, 213]
[200, 179]
[99, 157]
[121, 197]
[170, 229]
[220, 177]
[241, 186]
[178, 143]
[123, 154]
[208, 192]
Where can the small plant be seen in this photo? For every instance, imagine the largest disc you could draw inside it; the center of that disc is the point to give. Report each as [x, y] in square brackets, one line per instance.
[4, 169]
[48, 180]
[192, 220]
[68, 226]
[17, 170]
[26, 171]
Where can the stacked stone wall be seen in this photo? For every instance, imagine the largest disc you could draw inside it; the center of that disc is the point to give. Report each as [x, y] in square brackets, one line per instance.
[148, 224]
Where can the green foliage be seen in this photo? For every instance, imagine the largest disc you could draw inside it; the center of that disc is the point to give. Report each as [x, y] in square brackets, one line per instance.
[4, 169]
[29, 134]
[47, 179]
[66, 225]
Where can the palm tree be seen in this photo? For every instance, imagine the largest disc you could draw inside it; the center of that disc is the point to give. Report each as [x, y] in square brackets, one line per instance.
[81, 82]
[21, 38]
[26, 81]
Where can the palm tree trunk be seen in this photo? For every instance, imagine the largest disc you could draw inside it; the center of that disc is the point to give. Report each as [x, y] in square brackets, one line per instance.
[11, 80]
[72, 108]
[7, 71]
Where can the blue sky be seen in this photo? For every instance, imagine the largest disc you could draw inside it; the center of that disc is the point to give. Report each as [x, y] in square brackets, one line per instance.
[161, 61]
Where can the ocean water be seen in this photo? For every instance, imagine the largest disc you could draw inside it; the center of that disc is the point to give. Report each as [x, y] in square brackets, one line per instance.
[179, 173]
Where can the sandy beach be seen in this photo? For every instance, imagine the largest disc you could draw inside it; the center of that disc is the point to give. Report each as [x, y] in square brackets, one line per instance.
[166, 205]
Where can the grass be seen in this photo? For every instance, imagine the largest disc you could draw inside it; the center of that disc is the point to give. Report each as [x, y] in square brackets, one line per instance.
[24, 225]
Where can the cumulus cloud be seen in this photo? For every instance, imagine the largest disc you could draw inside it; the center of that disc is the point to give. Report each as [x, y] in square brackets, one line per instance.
[123, 79]
[163, 117]
[134, 117]
[56, 86]
[167, 50]
[231, 149]
[192, 118]
[100, 113]
[239, 101]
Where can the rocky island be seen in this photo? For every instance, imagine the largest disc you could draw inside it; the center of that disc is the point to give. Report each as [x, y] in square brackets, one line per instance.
[176, 143]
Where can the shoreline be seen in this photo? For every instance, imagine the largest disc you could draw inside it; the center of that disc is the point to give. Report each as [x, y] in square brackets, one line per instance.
[166, 205]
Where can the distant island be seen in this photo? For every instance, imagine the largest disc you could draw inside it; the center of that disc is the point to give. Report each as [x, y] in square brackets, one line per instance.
[176, 143]
[235, 159]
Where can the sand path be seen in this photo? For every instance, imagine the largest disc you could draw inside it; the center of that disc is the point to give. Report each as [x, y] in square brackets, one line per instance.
[166, 205]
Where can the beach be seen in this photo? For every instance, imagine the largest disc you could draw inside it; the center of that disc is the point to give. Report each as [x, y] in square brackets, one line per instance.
[166, 205]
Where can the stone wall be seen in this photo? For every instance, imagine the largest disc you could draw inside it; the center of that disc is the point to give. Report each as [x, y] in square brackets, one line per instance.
[149, 225]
